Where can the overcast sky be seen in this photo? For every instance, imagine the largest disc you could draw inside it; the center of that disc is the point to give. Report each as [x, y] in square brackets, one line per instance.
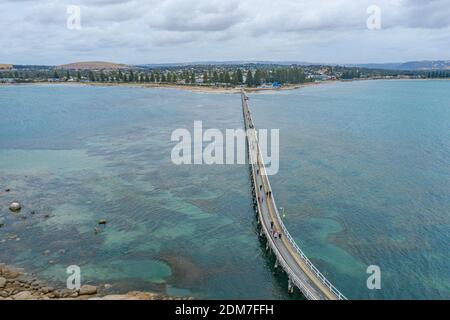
[157, 31]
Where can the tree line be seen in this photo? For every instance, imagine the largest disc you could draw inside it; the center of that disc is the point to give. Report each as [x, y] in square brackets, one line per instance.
[353, 73]
[438, 74]
[217, 77]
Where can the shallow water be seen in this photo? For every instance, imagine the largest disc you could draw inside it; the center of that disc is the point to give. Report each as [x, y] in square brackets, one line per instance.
[364, 179]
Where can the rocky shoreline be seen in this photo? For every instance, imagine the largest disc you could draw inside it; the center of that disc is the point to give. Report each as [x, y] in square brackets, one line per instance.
[15, 284]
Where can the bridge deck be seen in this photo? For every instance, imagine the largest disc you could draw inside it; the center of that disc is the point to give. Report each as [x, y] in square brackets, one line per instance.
[301, 272]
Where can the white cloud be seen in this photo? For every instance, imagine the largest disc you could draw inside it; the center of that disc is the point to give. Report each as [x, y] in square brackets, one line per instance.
[146, 31]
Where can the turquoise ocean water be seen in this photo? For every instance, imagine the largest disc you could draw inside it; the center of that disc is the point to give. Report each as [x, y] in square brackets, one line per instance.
[364, 178]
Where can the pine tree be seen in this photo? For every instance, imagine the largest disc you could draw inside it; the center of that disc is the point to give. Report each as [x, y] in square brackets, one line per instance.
[215, 78]
[240, 76]
[257, 78]
[227, 78]
[249, 80]
[233, 80]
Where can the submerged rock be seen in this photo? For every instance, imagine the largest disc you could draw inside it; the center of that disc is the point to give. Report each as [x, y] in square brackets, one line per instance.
[15, 206]
[12, 236]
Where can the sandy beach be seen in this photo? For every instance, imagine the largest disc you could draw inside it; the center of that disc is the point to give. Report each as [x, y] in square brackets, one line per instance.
[191, 88]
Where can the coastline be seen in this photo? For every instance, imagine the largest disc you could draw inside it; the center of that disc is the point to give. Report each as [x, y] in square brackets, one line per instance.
[191, 88]
[16, 284]
[208, 89]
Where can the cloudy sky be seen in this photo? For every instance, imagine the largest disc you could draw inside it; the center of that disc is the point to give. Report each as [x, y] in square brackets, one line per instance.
[157, 31]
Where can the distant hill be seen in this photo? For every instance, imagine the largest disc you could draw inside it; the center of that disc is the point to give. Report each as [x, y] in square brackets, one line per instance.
[6, 66]
[410, 66]
[93, 65]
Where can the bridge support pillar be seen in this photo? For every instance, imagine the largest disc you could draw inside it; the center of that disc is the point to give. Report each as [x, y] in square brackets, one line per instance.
[290, 286]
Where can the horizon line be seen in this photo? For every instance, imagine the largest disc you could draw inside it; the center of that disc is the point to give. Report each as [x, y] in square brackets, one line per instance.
[243, 61]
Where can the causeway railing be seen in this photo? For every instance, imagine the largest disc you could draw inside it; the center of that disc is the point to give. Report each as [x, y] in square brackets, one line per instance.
[302, 255]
